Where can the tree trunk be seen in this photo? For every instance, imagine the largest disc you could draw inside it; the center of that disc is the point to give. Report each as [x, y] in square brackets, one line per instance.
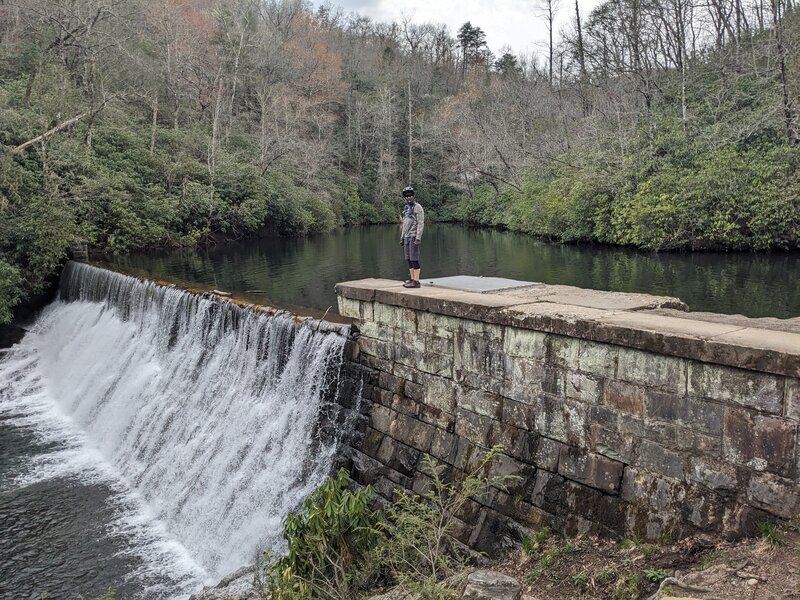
[788, 109]
[154, 123]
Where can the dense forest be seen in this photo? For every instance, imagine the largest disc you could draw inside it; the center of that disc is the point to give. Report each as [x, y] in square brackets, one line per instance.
[131, 124]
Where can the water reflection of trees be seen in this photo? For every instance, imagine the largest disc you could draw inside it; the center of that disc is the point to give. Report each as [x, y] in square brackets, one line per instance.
[303, 271]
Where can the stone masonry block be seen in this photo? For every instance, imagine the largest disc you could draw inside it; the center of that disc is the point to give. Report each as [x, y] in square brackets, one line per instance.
[405, 405]
[775, 494]
[478, 355]
[759, 442]
[391, 383]
[793, 398]
[563, 420]
[480, 402]
[381, 417]
[518, 414]
[377, 348]
[547, 454]
[437, 418]
[414, 391]
[398, 456]
[618, 446]
[712, 474]
[563, 351]
[438, 325]
[702, 415]
[525, 343]
[659, 460]
[473, 427]
[598, 359]
[524, 379]
[349, 308]
[412, 432]
[664, 373]
[423, 359]
[590, 469]
[624, 397]
[515, 442]
[443, 446]
[736, 386]
[514, 475]
[584, 388]
[440, 393]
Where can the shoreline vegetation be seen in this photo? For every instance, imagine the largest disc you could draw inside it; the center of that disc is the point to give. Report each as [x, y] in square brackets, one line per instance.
[144, 124]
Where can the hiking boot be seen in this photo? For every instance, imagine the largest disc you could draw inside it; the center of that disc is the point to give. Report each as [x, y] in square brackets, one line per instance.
[411, 284]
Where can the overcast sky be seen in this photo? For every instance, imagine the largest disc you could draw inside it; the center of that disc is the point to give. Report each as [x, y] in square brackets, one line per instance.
[514, 23]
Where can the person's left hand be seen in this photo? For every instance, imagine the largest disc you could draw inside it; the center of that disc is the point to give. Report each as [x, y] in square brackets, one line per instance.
[417, 242]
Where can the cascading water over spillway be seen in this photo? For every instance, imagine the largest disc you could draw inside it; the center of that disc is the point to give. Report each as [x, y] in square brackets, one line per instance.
[207, 412]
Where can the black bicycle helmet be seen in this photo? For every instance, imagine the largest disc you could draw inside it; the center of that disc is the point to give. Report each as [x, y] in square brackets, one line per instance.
[408, 191]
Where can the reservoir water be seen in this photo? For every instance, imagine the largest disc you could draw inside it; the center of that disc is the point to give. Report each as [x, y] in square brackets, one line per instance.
[302, 272]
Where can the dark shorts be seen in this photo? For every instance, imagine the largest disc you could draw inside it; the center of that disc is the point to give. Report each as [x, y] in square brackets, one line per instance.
[410, 249]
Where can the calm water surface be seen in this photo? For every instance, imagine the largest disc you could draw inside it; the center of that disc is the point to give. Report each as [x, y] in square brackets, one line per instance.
[302, 272]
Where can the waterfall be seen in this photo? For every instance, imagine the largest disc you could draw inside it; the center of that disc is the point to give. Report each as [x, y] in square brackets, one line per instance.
[206, 411]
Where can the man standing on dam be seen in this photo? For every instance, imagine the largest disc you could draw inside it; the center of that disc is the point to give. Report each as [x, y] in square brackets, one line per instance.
[411, 235]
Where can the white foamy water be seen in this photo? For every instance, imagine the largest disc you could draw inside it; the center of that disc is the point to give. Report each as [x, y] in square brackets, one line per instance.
[202, 415]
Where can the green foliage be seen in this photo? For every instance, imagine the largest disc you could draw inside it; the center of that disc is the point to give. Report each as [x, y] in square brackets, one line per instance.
[10, 291]
[727, 198]
[331, 545]
[627, 588]
[581, 581]
[771, 534]
[656, 575]
[421, 528]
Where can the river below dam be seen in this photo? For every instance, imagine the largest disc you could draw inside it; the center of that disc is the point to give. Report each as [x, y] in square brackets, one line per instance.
[302, 272]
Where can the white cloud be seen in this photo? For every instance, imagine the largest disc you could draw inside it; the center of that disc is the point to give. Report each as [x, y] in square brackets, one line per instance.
[514, 23]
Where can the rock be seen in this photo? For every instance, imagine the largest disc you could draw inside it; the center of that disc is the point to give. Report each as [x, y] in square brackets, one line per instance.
[490, 585]
[395, 594]
[752, 582]
[237, 586]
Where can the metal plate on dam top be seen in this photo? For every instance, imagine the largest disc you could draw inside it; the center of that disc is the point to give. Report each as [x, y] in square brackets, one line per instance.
[480, 285]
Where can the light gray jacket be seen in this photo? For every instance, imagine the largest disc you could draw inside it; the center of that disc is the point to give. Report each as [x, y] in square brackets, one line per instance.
[414, 223]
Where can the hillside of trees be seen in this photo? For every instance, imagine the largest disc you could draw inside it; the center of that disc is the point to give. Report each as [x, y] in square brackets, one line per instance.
[134, 124]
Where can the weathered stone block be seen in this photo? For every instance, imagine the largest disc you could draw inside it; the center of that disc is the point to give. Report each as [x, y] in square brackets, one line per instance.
[736, 386]
[563, 420]
[365, 469]
[524, 343]
[759, 442]
[702, 415]
[548, 491]
[412, 432]
[473, 427]
[377, 348]
[654, 503]
[652, 370]
[518, 414]
[349, 308]
[712, 474]
[415, 391]
[588, 503]
[468, 455]
[438, 325]
[619, 446]
[391, 383]
[480, 402]
[554, 380]
[775, 494]
[437, 418]
[398, 456]
[516, 442]
[405, 405]
[624, 397]
[659, 460]
[476, 354]
[584, 388]
[792, 395]
[547, 453]
[598, 359]
[423, 360]
[440, 392]
[380, 418]
[515, 475]
[524, 379]
[443, 446]
[590, 469]
[490, 585]
[563, 351]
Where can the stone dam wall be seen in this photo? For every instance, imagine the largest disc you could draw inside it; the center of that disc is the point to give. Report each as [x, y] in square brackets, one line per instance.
[620, 413]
